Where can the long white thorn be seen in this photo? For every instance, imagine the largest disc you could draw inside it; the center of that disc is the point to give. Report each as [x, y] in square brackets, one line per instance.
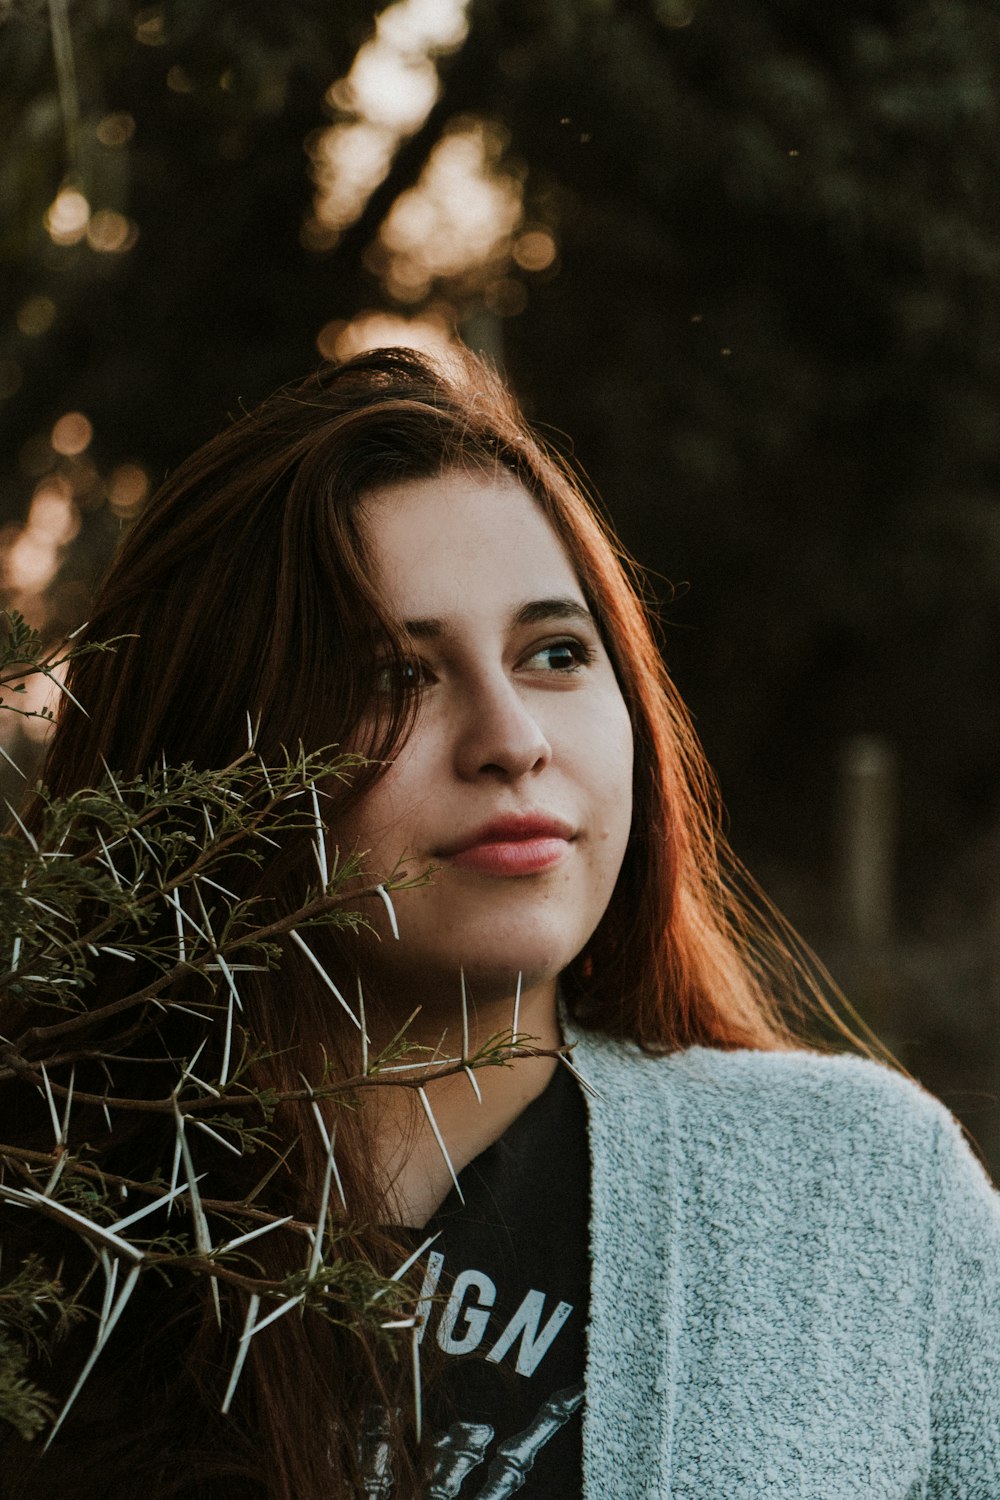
[165, 1200]
[310, 955]
[252, 1234]
[107, 860]
[110, 1268]
[320, 845]
[102, 1338]
[110, 775]
[56, 1173]
[147, 846]
[63, 1211]
[56, 1127]
[207, 1130]
[465, 1015]
[69, 1102]
[228, 973]
[12, 763]
[364, 1030]
[517, 1009]
[175, 901]
[279, 1312]
[440, 1140]
[581, 1080]
[418, 1406]
[23, 827]
[241, 1351]
[204, 911]
[407, 1263]
[187, 1070]
[56, 682]
[267, 780]
[316, 1255]
[199, 1222]
[187, 917]
[174, 1172]
[390, 909]
[329, 1140]
[227, 1045]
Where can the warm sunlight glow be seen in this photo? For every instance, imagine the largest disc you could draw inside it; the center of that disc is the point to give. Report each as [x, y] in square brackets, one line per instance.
[432, 332]
[388, 93]
[30, 554]
[461, 213]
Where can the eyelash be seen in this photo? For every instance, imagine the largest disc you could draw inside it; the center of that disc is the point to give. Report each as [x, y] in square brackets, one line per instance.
[582, 654]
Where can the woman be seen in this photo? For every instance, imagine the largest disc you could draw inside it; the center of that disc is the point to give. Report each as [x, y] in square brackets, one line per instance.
[790, 1282]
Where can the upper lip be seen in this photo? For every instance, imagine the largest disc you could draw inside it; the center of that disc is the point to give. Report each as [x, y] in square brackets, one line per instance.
[511, 829]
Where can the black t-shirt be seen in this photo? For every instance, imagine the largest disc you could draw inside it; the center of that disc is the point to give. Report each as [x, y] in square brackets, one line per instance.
[508, 1283]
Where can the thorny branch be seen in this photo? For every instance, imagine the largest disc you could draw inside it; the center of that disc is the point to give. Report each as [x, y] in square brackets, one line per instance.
[140, 871]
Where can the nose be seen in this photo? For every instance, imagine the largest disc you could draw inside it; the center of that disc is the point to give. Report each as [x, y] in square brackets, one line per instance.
[499, 735]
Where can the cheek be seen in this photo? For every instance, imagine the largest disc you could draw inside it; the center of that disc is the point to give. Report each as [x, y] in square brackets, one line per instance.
[610, 762]
[385, 814]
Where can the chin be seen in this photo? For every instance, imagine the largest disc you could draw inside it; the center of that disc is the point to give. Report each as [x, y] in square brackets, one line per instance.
[490, 974]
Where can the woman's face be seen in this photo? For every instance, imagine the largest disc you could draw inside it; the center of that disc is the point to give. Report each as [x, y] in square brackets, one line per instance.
[516, 780]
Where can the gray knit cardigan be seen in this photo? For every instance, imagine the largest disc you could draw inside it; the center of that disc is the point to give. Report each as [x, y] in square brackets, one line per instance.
[796, 1283]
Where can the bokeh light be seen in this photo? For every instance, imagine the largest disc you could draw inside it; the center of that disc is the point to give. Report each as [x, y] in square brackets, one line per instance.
[29, 555]
[179, 81]
[115, 130]
[459, 216]
[67, 216]
[150, 28]
[433, 332]
[71, 434]
[36, 316]
[128, 489]
[110, 232]
[535, 249]
[388, 93]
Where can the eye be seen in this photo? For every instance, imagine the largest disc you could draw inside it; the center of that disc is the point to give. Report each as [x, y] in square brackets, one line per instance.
[563, 656]
[410, 674]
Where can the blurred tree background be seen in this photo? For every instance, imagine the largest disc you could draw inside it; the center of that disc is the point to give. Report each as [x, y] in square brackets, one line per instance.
[745, 252]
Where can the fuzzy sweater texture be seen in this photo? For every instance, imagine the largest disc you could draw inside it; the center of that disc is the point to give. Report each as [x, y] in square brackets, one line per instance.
[796, 1283]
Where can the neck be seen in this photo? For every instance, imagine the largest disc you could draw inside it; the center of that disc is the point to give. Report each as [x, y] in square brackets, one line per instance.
[470, 1112]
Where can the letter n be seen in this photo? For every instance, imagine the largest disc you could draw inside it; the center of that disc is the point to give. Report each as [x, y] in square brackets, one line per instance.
[534, 1345]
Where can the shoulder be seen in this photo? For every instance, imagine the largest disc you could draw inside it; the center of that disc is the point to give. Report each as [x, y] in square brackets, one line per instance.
[782, 1085]
[797, 1111]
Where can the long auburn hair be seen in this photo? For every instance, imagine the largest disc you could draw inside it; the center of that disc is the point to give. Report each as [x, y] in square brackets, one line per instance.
[246, 586]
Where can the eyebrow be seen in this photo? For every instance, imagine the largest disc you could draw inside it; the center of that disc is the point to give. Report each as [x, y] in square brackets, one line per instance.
[534, 612]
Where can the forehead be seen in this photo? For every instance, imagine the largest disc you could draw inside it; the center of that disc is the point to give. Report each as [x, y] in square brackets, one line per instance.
[460, 544]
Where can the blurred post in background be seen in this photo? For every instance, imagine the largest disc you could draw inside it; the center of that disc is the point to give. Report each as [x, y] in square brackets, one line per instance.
[745, 251]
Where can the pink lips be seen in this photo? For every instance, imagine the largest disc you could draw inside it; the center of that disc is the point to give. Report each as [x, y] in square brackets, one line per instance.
[523, 844]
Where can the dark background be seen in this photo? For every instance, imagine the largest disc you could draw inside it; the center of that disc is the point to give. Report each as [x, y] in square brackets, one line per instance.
[770, 326]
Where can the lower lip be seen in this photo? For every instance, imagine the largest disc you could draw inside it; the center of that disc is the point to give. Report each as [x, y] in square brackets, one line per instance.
[523, 857]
